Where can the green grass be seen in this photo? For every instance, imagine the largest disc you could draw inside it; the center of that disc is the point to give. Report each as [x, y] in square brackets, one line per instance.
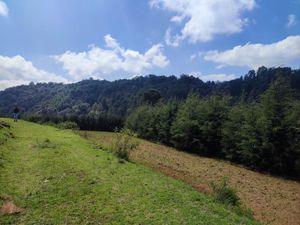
[67, 181]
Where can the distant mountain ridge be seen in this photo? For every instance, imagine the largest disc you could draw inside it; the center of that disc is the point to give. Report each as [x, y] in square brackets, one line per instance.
[118, 98]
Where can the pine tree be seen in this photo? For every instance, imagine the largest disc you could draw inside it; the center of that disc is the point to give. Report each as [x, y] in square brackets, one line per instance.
[277, 105]
[185, 129]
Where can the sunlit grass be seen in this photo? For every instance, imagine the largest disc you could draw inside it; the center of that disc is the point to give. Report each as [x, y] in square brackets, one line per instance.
[76, 183]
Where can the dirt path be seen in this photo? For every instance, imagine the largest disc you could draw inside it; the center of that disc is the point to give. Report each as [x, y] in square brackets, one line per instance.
[273, 200]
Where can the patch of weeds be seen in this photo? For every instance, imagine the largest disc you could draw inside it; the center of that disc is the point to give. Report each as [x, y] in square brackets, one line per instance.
[228, 195]
[124, 143]
[243, 211]
[84, 135]
[45, 143]
[121, 161]
[225, 194]
[98, 146]
[11, 135]
[94, 181]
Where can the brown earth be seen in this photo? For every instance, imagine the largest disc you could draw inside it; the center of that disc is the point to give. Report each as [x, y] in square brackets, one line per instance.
[273, 200]
[9, 208]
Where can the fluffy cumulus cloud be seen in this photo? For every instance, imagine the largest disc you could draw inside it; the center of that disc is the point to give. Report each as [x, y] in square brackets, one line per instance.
[16, 71]
[291, 21]
[3, 9]
[99, 62]
[282, 53]
[213, 77]
[204, 19]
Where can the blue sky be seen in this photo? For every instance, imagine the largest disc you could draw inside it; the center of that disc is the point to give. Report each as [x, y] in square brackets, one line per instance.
[70, 40]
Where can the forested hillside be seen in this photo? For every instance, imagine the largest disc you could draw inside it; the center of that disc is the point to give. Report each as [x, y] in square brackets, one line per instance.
[115, 100]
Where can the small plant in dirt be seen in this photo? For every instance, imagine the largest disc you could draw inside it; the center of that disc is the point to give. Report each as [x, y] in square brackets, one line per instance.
[225, 194]
[124, 143]
[45, 143]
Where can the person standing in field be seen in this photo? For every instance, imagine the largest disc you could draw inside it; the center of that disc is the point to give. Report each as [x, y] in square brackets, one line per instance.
[16, 114]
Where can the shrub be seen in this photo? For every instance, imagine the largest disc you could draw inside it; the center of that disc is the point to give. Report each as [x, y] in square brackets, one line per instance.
[225, 194]
[33, 118]
[124, 143]
[68, 125]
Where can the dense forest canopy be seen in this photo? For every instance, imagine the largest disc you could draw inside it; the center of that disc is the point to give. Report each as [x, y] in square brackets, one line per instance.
[119, 98]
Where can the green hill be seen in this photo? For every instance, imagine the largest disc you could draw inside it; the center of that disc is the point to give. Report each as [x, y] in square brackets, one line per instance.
[56, 177]
[116, 99]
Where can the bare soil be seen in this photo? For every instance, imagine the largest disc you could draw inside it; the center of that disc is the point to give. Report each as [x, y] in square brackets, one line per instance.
[9, 208]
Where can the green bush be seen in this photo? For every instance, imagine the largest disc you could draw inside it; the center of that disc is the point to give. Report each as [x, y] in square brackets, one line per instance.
[124, 143]
[225, 194]
[68, 125]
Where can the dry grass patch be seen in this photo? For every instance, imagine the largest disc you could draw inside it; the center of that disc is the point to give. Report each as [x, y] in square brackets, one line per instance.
[9, 208]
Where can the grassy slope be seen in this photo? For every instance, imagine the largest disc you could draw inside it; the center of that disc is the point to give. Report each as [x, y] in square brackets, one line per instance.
[273, 200]
[76, 184]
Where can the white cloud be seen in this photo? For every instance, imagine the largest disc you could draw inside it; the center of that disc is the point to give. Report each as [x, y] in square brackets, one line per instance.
[280, 53]
[3, 9]
[98, 62]
[193, 56]
[172, 40]
[196, 55]
[178, 19]
[11, 83]
[213, 77]
[205, 18]
[291, 21]
[16, 70]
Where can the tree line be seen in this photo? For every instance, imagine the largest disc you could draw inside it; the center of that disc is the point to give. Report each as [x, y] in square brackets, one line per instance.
[263, 135]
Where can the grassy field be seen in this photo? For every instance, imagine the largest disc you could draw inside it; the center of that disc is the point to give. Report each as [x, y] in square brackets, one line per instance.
[273, 200]
[56, 177]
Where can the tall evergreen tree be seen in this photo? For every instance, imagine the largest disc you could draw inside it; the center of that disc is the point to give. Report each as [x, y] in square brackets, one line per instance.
[277, 103]
[186, 131]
